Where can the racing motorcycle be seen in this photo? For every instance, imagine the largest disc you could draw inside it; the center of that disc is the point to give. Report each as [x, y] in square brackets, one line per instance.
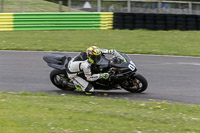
[122, 70]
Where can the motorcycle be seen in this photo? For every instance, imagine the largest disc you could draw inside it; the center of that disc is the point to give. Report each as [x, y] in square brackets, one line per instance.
[122, 70]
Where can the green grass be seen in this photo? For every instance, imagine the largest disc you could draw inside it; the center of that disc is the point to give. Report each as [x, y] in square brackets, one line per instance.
[130, 41]
[46, 113]
[13, 6]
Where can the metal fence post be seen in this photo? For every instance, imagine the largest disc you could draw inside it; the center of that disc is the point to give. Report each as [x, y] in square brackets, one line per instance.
[60, 6]
[2, 5]
[98, 5]
[190, 7]
[69, 5]
[128, 5]
[21, 6]
[159, 6]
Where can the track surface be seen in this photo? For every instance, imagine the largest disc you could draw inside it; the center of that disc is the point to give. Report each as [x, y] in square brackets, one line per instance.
[175, 79]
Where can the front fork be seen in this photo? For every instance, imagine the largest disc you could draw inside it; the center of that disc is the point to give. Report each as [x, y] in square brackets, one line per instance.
[130, 78]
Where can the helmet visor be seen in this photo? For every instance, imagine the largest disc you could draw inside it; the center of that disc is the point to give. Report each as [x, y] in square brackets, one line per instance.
[96, 58]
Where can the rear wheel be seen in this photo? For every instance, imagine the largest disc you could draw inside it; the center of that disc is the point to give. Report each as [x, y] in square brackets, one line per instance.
[136, 85]
[61, 81]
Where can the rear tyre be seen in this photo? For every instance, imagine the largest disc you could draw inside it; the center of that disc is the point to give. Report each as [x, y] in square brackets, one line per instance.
[136, 85]
[61, 81]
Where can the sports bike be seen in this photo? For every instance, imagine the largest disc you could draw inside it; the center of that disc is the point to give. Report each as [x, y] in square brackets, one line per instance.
[122, 70]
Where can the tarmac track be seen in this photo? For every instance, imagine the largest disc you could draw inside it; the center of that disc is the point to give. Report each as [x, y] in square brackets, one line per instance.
[170, 78]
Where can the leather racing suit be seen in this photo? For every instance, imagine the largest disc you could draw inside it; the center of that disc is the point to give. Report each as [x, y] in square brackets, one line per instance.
[80, 64]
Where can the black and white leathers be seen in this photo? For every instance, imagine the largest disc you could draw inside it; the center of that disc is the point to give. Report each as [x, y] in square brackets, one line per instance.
[77, 65]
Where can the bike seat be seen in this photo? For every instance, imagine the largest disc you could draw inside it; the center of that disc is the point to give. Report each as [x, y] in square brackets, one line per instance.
[81, 57]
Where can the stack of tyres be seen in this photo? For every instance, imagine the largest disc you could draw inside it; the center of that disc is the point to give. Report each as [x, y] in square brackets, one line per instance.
[191, 22]
[139, 21]
[181, 22]
[156, 21]
[160, 22]
[129, 21]
[150, 21]
[170, 21]
[119, 21]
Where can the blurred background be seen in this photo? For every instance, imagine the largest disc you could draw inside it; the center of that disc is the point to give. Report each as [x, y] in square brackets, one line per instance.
[132, 6]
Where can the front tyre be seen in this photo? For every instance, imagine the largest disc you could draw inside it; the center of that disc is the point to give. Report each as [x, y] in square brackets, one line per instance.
[61, 81]
[137, 84]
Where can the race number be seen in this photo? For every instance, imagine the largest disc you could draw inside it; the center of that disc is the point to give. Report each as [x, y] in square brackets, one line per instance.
[131, 66]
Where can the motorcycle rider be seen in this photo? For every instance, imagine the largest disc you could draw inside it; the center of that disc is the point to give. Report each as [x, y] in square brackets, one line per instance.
[82, 64]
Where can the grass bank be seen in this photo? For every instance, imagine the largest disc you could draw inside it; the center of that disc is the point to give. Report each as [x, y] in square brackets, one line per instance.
[15, 6]
[136, 41]
[44, 113]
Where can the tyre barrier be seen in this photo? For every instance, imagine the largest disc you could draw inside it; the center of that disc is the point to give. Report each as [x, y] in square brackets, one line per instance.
[156, 21]
[56, 21]
[96, 20]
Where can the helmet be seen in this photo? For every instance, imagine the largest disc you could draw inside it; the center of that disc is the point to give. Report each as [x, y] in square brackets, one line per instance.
[93, 54]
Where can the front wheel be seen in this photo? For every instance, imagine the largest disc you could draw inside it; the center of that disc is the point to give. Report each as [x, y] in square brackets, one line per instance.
[61, 81]
[137, 84]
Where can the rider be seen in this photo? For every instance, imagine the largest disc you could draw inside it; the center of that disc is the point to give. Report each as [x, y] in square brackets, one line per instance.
[82, 64]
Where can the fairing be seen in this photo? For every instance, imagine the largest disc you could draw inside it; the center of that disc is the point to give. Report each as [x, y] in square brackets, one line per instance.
[57, 60]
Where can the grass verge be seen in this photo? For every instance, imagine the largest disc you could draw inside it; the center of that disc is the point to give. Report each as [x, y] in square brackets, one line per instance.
[130, 41]
[26, 112]
[14, 6]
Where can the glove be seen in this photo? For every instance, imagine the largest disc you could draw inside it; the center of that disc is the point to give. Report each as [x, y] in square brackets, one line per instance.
[105, 75]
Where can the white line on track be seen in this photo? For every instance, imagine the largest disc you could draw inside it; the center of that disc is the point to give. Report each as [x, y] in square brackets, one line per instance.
[18, 51]
[186, 63]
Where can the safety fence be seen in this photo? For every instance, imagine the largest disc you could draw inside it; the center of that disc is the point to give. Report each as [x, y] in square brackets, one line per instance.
[56, 21]
[156, 21]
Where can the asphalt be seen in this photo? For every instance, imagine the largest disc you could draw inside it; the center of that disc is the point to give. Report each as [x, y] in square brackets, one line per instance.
[170, 78]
